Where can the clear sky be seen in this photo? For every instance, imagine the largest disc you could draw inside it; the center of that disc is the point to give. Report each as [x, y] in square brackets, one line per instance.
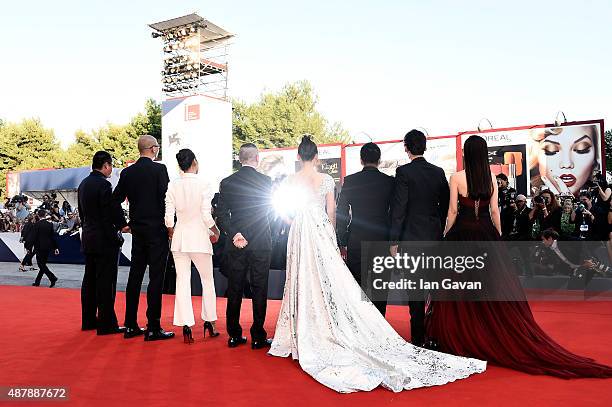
[379, 67]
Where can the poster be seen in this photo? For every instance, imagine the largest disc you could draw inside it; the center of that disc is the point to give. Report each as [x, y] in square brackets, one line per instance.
[279, 163]
[562, 159]
[441, 151]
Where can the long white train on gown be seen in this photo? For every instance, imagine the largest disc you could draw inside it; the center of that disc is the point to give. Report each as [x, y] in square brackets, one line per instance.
[339, 338]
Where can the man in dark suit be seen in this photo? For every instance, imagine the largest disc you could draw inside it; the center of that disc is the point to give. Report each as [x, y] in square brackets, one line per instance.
[362, 215]
[418, 213]
[100, 243]
[243, 213]
[44, 242]
[144, 184]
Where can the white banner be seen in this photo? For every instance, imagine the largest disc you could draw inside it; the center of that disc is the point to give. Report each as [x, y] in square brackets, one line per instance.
[204, 125]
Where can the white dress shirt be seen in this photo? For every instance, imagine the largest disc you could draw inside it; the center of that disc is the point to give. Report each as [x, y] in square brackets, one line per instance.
[189, 198]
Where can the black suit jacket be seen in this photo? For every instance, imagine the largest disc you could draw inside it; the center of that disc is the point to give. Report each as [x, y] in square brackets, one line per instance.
[100, 215]
[144, 184]
[44, 237]
[368, 196]
[420, 202]
[244, 207]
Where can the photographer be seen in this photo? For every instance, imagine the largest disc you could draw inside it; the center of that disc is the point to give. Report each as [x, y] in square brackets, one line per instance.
[583, 218]
[515, 218]
[567, 226]
[46, 203]
[504, 191]
[22, 209]
[600, 190]
[546, 214]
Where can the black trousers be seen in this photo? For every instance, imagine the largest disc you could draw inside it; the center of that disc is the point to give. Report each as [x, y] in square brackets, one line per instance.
[41, 259]
[149, 248]
[257, 264]
[98, 291]
[354, 259]
[27, 260]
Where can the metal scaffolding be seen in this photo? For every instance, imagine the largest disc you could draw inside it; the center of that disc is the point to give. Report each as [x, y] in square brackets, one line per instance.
[195, 56]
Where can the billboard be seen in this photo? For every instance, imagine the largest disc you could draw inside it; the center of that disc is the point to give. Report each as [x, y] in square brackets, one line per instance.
[441, 151]
[559, 158]
[281, 162]
[204, 125]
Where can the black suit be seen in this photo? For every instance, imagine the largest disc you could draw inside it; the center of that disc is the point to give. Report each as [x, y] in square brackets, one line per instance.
[144, 184]
[418, 213]
[244, 207]
[100, 217]
[368, 196]
[44, 242]
[27, 235]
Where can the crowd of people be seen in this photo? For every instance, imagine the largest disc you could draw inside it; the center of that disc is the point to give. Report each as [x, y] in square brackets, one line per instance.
[340, 335]
[582, 222]
[18, 212]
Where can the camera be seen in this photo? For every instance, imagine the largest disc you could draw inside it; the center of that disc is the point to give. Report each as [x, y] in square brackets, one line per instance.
[538, 200]
[580, 208]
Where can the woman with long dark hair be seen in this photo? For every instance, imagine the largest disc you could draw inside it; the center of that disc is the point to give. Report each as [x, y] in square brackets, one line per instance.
[504, 333]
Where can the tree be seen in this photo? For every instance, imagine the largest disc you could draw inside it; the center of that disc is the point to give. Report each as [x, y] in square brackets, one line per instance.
[280, 119]
[26, 145]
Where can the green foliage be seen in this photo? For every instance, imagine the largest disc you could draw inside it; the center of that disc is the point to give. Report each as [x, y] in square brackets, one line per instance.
[280, 119]
[28, 145]
[276, 120]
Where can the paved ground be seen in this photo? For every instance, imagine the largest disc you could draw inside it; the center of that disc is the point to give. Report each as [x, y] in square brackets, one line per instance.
[70, 276]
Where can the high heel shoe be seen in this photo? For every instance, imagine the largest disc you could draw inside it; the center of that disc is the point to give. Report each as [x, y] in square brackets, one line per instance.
[187, 336]
[210, 327]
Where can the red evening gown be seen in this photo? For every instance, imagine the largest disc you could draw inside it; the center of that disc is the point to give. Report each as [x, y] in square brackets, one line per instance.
[504, 333]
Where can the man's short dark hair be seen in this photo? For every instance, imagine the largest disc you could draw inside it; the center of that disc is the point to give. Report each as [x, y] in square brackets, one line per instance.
[99, 159]
[370, 153]
[502, 176]
[41, 213]
[415, 141]
[585, 194]
[550, 233]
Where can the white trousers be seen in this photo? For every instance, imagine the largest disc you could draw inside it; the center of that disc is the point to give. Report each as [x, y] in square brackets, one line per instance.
[183, 309]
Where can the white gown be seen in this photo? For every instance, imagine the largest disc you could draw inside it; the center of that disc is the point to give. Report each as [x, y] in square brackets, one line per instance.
[340, 339]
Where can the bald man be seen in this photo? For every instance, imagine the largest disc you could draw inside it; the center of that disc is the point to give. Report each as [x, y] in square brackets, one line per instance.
[144, 184]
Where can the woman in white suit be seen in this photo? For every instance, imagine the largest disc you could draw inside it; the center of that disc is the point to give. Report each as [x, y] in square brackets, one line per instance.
[189, 198]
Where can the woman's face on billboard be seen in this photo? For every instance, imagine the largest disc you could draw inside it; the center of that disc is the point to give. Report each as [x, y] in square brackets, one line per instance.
[568, 156]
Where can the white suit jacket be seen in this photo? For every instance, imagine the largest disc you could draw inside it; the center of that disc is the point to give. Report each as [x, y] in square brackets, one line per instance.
[189, 198]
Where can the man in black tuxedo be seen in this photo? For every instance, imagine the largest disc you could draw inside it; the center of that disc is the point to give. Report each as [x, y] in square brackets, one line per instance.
[243, 211]
[144, 184]
[101, 242]
[418, 213]
[44, 242]
[362, 215]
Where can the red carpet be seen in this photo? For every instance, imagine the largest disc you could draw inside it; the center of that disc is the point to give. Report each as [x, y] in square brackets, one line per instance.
[41, 345]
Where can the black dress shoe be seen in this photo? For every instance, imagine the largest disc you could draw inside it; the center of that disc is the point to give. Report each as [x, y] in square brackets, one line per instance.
[88, 328]
[233, 342]
[116, 330]
[132, 332]
[157, 335]
[35, 284]
[53, 283]
[262, 344]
